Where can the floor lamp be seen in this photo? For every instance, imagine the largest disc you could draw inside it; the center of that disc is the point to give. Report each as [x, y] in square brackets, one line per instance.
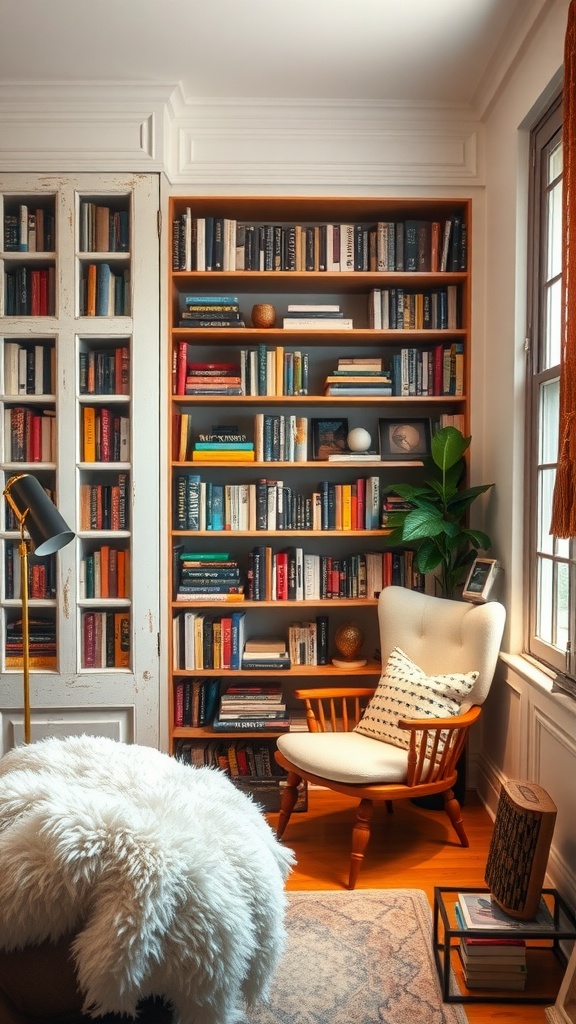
[48, 532]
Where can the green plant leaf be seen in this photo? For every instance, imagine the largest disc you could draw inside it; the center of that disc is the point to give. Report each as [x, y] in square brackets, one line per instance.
[428, 557]
[422, 522]
[448, 446]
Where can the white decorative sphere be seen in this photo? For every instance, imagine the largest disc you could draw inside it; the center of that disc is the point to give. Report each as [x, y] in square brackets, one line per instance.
[359, 440]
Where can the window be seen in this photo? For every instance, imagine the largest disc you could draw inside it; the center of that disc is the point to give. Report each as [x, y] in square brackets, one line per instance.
[551, 563]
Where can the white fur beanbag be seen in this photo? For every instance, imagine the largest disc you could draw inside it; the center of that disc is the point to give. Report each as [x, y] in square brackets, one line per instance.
[171, 878]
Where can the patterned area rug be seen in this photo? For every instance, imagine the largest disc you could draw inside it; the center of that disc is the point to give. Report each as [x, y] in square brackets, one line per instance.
[360, 957]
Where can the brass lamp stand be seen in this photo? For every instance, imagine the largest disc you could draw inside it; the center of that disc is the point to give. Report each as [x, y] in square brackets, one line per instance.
[48, 532]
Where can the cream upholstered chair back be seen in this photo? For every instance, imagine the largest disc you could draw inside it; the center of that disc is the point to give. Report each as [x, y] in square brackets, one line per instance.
[442, 635]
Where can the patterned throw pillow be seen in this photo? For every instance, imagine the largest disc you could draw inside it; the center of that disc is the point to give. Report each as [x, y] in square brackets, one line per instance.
[405, 691]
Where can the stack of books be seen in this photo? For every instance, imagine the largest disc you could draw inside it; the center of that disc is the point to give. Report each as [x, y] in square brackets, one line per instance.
[316, 317]
[360, 376]
[253, 707]
[41, 643]
[213, 379]
[210, 311]
[493, 960]
[269, 653]
[209, 576]
[494, 963]
[225, 442]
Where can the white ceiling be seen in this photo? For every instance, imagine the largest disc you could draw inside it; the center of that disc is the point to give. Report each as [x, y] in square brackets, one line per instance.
[431, 51]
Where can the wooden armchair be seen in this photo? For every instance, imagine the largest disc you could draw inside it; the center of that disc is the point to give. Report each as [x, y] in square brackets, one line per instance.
[343, 749]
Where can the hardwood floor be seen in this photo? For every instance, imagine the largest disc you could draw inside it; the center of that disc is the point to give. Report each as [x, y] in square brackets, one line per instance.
[414, 848]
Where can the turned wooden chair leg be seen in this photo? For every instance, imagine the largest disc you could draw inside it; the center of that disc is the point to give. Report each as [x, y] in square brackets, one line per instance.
[454, 812]
[360, 837]
[288, 802]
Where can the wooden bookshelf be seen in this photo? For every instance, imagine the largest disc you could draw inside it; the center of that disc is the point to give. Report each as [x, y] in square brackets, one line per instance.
[349, 290]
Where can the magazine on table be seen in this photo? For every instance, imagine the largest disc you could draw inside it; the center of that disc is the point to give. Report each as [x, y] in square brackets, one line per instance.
[480, 910]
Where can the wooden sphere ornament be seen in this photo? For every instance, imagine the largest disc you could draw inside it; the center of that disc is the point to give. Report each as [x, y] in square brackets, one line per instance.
[348, 640]
[263, 315]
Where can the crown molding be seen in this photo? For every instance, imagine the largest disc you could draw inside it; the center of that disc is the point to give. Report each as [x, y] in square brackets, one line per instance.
[139, 126]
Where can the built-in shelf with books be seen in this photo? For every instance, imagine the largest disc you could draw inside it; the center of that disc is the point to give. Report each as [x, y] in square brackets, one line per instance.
[79, 336]
[294, 321]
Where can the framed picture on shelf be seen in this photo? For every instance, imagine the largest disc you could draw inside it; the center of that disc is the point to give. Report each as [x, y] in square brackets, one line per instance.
[483, 572]
[564, 1009]
[328, 437]
[406, 440]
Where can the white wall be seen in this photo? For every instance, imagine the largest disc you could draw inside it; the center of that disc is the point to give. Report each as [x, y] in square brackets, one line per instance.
[528, 732]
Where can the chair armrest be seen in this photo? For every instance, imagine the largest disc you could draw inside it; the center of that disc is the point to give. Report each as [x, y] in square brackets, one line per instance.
[435, 745]
[452, 722]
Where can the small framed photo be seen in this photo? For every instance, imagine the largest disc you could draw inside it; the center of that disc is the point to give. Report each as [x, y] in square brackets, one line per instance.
[564, 1009]
[328, 437]
[408, 440]
[480, 580]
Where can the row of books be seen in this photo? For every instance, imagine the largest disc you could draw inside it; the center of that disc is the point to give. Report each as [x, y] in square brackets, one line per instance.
[436, 309]
[440, 371]
[275, 370]
[29, 230]
[104, 291]
[195, 702]
[273, 505]
[41, 642]
[295, 575]
[105, 573]
[202, 641]
[29, 434]
[105, 639]
[105, 435]
[29, 369]
[250, 765]
[103, 229]
[30, 291]
[225, 244]
[205, 641]
[41, 575]
[104, 371]
[105, 506]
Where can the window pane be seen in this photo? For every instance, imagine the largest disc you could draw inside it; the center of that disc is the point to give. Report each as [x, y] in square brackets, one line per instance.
[555, 162]
[562, 604]
[554, 260]
[552, 325]
[544, 600]
[545, 488]
[548, 426]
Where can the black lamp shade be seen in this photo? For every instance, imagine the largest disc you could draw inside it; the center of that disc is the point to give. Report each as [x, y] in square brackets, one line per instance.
[47, 529]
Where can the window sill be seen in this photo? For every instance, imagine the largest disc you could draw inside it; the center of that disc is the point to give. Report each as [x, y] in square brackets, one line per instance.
[537, 677]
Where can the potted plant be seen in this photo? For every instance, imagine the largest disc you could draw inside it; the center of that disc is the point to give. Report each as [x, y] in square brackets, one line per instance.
[434, 525]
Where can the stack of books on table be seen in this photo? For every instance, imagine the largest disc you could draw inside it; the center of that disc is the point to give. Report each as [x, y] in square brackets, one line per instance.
[226, 443]
[316, 317]
[494, 963]
[208, 576]
[358, 377]
[253, 708]
[491, 961]
[211, 311]
[267, 653]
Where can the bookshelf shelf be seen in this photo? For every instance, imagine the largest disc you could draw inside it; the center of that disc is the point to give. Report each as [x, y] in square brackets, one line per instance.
[355, 295]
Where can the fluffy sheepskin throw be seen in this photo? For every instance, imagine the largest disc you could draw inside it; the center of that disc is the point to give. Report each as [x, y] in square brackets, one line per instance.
[171, 879]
